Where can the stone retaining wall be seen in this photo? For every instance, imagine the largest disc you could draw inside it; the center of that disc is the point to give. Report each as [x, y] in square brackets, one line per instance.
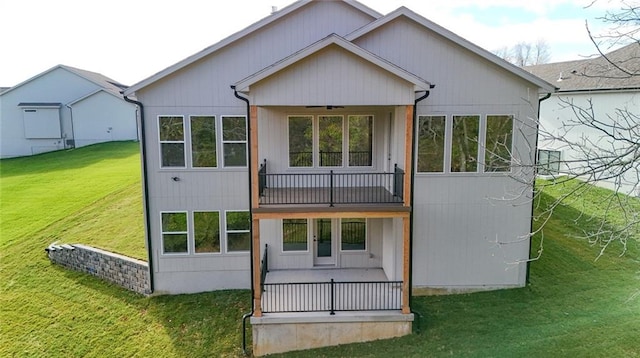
[124, 271]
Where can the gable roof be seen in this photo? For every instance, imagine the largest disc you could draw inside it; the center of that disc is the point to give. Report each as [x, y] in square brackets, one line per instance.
[94, 77]
[619, 69]
[333, 39]
[404, 12]
[238, 35]
[116, 95]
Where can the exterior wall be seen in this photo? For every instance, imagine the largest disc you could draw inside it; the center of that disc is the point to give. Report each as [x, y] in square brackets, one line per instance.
[553, 113]
[457, 216]
[332, 76]
[124, 271]
[59, 86]
[103, 118]
[203, 89]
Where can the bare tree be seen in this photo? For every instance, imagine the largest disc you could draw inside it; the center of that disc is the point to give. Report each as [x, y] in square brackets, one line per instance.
[602, 145]
[526, 53]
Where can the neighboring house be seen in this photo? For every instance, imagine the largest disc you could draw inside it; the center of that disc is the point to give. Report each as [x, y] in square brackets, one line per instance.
[63, 107]
[596, 85]
[313, 145]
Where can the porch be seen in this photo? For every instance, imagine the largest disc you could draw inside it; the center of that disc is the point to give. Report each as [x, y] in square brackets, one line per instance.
[330, 291]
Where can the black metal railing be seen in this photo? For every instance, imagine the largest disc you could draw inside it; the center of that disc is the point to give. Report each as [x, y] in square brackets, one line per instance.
[332, 296]
[331, 188]
[330, 159]
[264, 266]
[262, 178]
[398, 181]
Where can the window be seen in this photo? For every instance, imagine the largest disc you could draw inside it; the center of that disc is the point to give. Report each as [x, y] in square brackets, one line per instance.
[301, 141]
[497, 155]
[464, 143]
[548, 162]
[171, 131]
[360, 140]
[353, 234]
[206, 231]
[174, 233]
[203, 142]
[330, 141]
[238, 234]
[431, 131]
[234, 141]
[294, 234]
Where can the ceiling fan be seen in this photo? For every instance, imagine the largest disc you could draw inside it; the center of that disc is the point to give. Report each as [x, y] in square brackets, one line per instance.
[328, 107]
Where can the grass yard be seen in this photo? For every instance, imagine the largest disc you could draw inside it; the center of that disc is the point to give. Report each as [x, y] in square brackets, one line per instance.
[574, 305]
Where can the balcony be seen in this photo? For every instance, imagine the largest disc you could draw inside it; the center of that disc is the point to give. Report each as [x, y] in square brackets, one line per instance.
[330, 188]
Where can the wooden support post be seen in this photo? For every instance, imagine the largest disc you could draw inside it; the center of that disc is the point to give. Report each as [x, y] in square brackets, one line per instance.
[257, 285]
[253, 139]
[406, 231]
[408, 154]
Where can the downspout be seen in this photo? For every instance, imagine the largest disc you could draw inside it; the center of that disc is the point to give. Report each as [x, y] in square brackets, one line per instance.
[145, 188]
[251, 248]
[535, 163]
[73, 133]
[413, 161]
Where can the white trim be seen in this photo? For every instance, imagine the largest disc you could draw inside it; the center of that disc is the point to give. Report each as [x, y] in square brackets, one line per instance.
[193, 241]
[543, 86]
[246, 141]
[215, 138]
[160, 141]
[162, 232]
[226, 233]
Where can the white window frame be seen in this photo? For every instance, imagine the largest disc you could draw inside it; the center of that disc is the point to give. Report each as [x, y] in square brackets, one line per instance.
[547, 163]
[193, 226]
[162, 233]
[317, 139]
[183, 141]
[484, 143]
[290, 252]
[227, 232]
[348, 139]
[217, 146]
[314, 148]
[479, 149]
[223, 142]
[446, 161]
[366, 236]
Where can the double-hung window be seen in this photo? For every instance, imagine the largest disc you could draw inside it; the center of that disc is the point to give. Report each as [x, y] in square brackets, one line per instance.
[175, 233]
[171, 132]
[238, 231]
[234, 141]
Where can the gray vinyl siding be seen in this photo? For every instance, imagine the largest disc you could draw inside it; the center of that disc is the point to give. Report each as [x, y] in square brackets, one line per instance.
[332, 76]
[459, 217]
[203, 88]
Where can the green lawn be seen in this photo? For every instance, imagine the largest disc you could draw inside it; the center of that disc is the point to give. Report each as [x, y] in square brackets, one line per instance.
[574, 305]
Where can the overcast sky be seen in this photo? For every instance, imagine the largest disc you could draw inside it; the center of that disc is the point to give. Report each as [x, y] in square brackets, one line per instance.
[129, 40]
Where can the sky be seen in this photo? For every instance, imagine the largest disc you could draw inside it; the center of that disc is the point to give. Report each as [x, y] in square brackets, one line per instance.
[130, 40]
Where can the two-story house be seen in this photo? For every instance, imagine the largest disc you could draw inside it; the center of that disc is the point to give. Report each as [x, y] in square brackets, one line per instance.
[335, 161]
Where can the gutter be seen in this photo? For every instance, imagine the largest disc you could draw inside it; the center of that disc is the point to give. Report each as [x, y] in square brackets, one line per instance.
[533, 203]
[413, 170]
[251, 248]
[73, 133]
[145, 189]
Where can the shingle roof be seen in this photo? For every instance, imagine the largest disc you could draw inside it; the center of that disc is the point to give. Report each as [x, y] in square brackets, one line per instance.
[619, 69]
